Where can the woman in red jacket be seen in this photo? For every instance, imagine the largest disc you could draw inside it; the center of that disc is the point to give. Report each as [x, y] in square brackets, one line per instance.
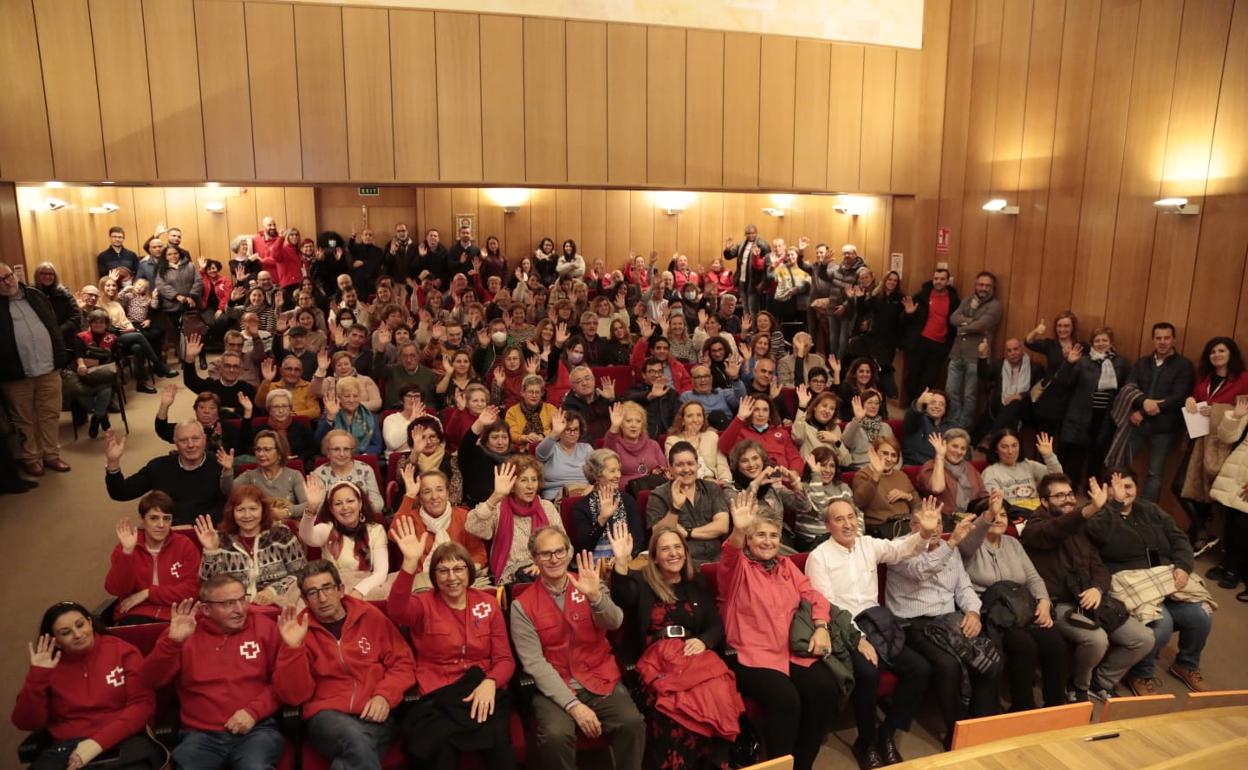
[759, 420]
[84, 690]
[154, 568]
[759, 594]
[463, 660]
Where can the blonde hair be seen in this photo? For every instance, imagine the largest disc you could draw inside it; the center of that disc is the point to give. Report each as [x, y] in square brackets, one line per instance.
[347, 384]
[650, 573]
[634, 409]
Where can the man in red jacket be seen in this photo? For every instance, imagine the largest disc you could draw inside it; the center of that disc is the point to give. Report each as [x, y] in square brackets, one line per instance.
[153, 568]
[559, 626]
[222, 661]
[348, 665]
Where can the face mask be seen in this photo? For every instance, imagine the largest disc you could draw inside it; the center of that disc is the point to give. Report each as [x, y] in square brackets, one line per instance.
[499, 338]
[575, 358]
[690, 296]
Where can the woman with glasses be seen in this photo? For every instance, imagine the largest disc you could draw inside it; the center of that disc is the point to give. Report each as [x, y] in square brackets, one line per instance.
[339, 447]
[83, 688]
[351, 535]
[254, 547]
[510, 515]
[463, 661]
[300, 442]
[284, 486]
[564, 455]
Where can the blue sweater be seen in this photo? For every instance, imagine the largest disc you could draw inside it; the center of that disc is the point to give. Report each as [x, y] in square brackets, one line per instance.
[561, 468]
[724, 400]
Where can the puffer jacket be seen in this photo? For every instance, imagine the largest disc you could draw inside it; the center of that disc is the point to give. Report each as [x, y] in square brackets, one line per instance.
[1234, 474]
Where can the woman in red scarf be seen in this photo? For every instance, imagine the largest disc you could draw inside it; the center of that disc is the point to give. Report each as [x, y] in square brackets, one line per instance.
[350, 534]
[505, 387]
[513, 512]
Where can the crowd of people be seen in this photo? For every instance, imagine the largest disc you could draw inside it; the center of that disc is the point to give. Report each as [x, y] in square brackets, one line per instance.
[686, 479]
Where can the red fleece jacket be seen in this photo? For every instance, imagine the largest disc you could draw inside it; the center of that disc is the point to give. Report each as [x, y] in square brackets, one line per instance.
[176, 565]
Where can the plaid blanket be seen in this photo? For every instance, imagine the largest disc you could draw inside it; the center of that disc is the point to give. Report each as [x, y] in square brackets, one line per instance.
[1144, 590]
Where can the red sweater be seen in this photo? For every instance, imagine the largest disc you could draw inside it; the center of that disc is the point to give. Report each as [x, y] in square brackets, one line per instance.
[97, 695]
[777, 441]
[279, 258]
[452, 641]
[1232, 388]
[219, 673]
[681, 380]
[372, 658]
[170, 577]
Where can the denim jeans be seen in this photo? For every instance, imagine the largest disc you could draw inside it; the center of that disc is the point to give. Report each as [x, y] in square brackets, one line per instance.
[1158, 449]
[259, 749]
[962, 386]
[1193, 624]
[349, 742]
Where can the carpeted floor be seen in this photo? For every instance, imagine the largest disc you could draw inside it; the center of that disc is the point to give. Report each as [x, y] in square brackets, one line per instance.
[57, 541]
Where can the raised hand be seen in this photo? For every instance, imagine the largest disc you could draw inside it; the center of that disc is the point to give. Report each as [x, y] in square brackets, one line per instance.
[937, 441]
[606, 388]
[928, 517]
[225, 459]
[322, 359]
[745, 409]
[558, 422]
[44, 652]
[996, 504]
[616, 413]
[908, 304]
[504, 481]
[621, 540]
[245, 403]
[411, 482]
[1044, 444]
[382, 339]
[803, 396]
[167, 396]
[645, 326]
[1040, 329]
[961, 530]
[874, 460]
[194, 346]
[332, 406]
[561, 334]
[410, 543]
[293, 626]
[206, 533]
[1118, 487]
[774, 389]
[586, 579]
[834, 364]
[114, 448]
[860, 411]
[182, 619]
[732, 367]
[747, 323]
[488, 416]
[500, 376]
[1074, 354]
[268, 369]
[743, 509]
[531, 363]
[1097, 494]
[1241, 408]
[126, 534]
[314, 491]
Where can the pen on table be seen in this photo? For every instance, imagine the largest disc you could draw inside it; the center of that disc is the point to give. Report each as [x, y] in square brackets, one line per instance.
[1102, 737]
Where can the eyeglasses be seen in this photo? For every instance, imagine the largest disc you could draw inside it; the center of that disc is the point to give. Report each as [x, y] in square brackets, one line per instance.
[1062, 496]
[229, 603]
[314, 593]
[443, 572]
[554, 555]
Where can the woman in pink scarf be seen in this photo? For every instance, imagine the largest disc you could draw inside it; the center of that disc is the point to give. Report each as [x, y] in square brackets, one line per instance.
[639, 454]
[513, 512]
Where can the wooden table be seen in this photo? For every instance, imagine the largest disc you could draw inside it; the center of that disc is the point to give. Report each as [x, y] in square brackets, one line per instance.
[1208, 739]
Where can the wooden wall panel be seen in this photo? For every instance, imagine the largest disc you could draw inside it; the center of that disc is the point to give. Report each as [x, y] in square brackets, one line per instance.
[985, 73]
[568, 220]
[704, 108]
[618, 238]
[741, 113]
[593, 240]
[220, 32]
[274, 90]
[25, 146]
[810, 118]
[459, 96]
[665, 106]
[878, 89]
[177, 115]
[69, 82]
[125, 102]
[626, 104]
[322, 92]
[776, 101]
[586, 65]
[961, 49]
[503, 98]
[413, 81]
[542, 218]
[906, 98]
[545, 103]
[919, 248]
[846, 64]
[12, 251]
[370, 121]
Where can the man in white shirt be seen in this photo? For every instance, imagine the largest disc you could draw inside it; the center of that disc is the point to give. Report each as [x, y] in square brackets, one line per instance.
[843, 569]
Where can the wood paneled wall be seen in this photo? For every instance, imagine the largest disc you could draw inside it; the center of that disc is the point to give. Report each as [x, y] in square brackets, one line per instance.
[71, 237]
[611, 223]
[1083, 112]
[284, 93]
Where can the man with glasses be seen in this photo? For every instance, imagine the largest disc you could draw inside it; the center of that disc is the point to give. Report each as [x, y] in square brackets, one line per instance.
[347, 665]
[32, 354]
[591, 401]
[228, 383]
[221, 656]
[655, 396]
[303, 403]
[720, 404]
[559, 626]
[394, 378]
[1077, 580]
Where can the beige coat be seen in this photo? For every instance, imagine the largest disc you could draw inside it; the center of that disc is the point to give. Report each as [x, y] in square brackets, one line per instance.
[1233, 476]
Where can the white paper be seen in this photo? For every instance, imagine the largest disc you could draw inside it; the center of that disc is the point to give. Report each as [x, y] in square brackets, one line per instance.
[1197, 423]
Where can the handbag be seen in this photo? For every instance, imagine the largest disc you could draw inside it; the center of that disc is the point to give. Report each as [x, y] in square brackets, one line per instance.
[1038, 389]
[104, 374]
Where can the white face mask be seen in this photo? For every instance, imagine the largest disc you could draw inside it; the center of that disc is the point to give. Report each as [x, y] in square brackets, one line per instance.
[499, 338]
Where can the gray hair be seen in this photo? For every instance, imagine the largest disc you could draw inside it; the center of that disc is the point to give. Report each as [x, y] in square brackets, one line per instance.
[567, 542]
[596, 463]
[953, 433]
[218, 580]
[188, 424]
[532, 379]
[238, 241]
[276, 393]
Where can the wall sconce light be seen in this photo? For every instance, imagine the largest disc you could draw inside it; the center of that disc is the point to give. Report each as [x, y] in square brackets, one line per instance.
[54, 184]
[782, 200]
[104, 208]
[1176, 206]
[852, 205]
[216, 207]
[212, 184]
[509, 198]
[672, 202]
[49, 204]
[999, 206]
[773, 212]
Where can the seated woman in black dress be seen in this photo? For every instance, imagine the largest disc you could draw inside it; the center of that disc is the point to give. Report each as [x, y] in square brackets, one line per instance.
[671, 630]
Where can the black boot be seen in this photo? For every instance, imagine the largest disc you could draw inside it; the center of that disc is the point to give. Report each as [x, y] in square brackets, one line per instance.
[888, 748]
[94, 430]
[141, 381]
[867, 754]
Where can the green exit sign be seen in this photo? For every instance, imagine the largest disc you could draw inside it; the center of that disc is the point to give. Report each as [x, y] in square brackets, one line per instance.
[370, 191]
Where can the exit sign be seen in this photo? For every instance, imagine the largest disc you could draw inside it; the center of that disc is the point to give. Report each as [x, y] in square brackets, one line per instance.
[370, 191]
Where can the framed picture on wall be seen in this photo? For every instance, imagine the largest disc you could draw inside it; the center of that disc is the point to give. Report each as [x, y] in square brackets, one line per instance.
[464, 220]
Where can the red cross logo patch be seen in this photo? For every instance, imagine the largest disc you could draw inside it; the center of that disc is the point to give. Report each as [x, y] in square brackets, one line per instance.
[173, 569]
[116, 677]
[578, 597]
[364, 645]
[249, 650]
[481, 611]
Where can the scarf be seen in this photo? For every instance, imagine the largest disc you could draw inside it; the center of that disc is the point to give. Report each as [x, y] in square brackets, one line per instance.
[1109, 378]
[361, 425]
[440, 528]
[508, 511]
[872, 427]
[1013, 384]
[430, 462]
[602, 549]
[962, 496]
[532, 418]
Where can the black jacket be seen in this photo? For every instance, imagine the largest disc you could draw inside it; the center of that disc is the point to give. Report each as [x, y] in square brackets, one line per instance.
[1081, 381]
[588, 532]
[108, 259]
[477, 469]
[194, 492]
[1124, 541]
[918, 319]
[1170, 383]
[10, 363]
[990, 373]
[634, 596]
[65, 307]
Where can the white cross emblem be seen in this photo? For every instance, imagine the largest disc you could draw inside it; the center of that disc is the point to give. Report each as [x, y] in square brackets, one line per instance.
[173, 569]
[481, 611]
[249, 650]
[116, 677]
[364, 645]
[578, 597]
